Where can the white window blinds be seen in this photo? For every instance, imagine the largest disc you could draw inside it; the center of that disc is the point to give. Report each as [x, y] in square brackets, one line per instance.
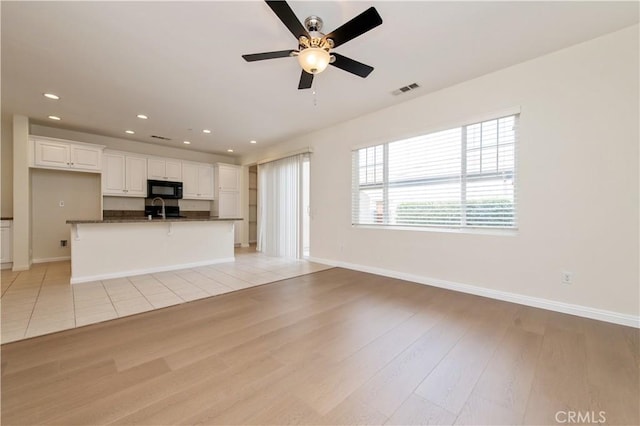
[460, 177]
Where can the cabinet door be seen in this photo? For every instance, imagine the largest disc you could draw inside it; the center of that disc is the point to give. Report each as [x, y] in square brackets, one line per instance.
[173, 170]
[52, 154]
[205, 182]
[155, 168]
[5, 245]
[228, 177]
[85, 157]
[113, 174]
[136, 177]
[236, 232]
[229, 204]
[190, 181]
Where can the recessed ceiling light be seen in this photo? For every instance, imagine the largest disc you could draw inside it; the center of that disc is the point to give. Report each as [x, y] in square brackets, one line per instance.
[53, 117]
[206, 131]
[131, 132]
[229, 150]
[144, 117]
[253, 142]
[186, 142]
[51, 96]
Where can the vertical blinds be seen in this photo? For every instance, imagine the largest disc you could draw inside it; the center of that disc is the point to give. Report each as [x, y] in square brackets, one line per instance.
[459, 177]
[280, 204]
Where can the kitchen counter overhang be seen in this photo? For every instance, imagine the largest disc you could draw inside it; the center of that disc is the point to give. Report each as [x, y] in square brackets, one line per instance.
[114, 248]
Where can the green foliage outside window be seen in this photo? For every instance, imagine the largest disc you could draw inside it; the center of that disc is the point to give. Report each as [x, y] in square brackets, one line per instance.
[487, 212]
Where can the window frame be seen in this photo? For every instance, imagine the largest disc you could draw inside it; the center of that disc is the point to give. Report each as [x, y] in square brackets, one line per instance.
[463, 226]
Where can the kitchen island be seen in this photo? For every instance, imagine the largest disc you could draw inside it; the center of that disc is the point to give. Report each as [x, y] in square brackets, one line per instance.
[120, 247]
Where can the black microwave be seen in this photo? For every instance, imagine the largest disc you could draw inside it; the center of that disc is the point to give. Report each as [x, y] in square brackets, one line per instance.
[164, 189]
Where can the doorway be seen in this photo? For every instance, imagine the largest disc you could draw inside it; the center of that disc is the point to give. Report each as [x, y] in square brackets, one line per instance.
[253, 205]
[283, 207]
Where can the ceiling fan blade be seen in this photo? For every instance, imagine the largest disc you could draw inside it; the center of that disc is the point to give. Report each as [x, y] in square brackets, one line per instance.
[350, 65]
[306, 80]
[359, 25]
[268, 55]
[288, 18]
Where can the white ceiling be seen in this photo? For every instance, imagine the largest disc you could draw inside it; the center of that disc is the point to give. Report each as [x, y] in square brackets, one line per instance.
[180, 62]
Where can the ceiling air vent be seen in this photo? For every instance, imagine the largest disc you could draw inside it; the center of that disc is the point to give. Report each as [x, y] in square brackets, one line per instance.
[405, 89]
[161, 138]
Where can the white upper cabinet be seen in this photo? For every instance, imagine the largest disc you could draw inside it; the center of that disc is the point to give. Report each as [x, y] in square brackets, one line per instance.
[52, 154]
[113, 174]
[85, 157]
[228, 177]
[136, 176]
[197, 179]
[124, 175]
[227, 191]
[164, 169]
[59, 154]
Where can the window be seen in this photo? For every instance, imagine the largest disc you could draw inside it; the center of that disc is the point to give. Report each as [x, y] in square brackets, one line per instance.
[458, 178]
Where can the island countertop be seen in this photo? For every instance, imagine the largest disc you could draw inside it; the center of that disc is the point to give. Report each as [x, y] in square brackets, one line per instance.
[154, 220]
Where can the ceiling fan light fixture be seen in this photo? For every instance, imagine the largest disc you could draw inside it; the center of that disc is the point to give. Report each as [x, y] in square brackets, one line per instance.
[314, 60]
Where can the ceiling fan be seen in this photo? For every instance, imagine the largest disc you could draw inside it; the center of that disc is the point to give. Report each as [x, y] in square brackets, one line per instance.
[315, 48]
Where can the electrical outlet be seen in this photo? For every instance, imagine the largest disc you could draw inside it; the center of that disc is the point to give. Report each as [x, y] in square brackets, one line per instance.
[63, 243]
[61, 203]
[566, 277]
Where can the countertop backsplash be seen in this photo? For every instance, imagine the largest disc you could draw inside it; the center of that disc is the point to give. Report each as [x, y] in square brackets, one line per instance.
[115, 214]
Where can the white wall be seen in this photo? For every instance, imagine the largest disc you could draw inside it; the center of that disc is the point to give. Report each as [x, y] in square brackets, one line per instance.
[21, 194]
[6, 165]
[578, 181]
[80, 193]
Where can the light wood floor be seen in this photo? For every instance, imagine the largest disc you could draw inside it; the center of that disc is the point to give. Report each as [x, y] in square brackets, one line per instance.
[333, 347]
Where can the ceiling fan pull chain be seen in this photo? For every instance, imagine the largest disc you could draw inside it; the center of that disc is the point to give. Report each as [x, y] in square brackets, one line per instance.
[315, 92]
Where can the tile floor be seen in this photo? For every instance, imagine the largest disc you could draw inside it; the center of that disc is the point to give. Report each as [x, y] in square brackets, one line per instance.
[42, 301]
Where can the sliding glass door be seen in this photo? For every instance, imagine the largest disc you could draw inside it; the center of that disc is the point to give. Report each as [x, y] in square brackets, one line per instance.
[283, 207]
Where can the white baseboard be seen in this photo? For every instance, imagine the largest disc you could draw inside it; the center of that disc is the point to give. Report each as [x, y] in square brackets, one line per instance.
[133, 272]
[51, 259]
[19, 268]
[536, 302]
[7, 265]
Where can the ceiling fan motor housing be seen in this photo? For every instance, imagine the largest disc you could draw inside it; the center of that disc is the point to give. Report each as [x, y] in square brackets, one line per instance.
[316, 38]
[313, 23]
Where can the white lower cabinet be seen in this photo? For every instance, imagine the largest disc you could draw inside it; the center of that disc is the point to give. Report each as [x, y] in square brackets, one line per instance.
[228, 204]
[6, 240]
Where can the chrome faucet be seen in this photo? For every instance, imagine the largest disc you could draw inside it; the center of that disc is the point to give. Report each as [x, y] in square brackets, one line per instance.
[162, 213]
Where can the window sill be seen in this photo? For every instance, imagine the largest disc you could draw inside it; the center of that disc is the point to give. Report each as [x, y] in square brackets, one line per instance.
[472, 231]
